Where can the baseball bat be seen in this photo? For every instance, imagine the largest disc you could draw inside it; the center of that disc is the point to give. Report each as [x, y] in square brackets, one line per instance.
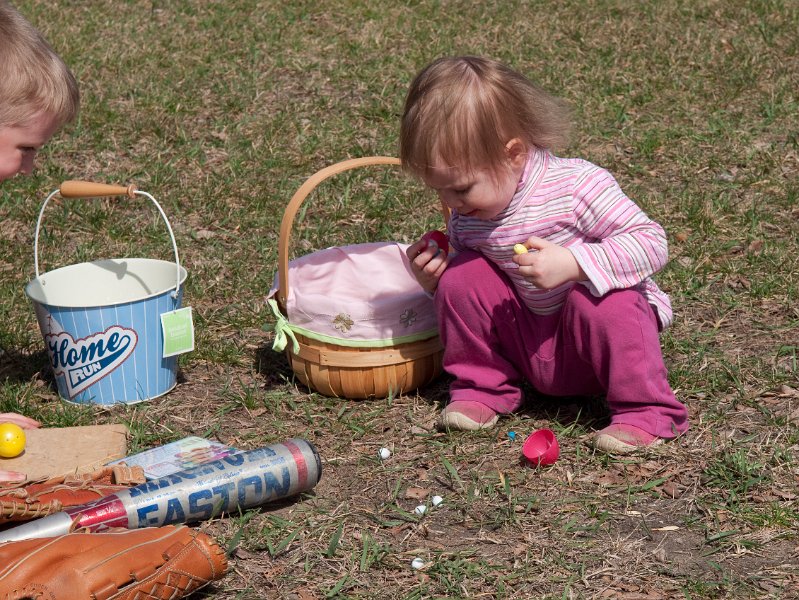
[238, 481]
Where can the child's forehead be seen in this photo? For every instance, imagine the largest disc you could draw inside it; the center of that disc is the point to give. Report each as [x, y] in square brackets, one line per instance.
[35, 131]
[442, 175]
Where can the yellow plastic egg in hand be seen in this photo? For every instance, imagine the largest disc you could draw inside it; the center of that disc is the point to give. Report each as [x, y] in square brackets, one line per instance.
[12, 440]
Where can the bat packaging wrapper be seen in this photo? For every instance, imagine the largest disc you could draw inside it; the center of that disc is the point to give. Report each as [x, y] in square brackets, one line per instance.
[238, 481]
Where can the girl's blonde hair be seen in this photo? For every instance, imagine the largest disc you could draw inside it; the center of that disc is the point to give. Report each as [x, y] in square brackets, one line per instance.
[464, 110]
[33, 78]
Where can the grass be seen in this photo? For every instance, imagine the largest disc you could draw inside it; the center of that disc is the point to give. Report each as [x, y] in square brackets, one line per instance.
[221, 110]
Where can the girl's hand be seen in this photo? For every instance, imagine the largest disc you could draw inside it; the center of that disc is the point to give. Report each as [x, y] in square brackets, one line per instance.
[428, 263]
[25, 423]
[548, 265]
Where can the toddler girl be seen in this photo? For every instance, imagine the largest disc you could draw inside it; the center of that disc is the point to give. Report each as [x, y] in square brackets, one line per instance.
[576, 315]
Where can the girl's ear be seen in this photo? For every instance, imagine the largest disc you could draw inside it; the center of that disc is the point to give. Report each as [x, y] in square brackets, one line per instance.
[517, 152]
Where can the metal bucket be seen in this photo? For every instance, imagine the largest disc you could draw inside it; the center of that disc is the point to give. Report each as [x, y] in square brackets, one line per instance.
[101, 320]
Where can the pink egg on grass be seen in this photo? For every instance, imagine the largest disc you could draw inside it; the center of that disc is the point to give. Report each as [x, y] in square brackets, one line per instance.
[541, 449]
[439, 237]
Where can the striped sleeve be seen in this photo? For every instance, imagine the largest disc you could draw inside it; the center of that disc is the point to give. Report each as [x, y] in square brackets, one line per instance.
[623, 246]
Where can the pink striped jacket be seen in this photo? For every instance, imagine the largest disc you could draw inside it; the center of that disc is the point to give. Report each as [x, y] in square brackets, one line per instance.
[578, 205]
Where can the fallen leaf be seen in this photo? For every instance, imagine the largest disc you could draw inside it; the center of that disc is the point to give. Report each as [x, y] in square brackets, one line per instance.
[671, 489]
[417, 493]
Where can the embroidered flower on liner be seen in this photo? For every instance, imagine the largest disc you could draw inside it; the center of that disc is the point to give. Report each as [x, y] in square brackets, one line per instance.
[408, 317]
[343, 323]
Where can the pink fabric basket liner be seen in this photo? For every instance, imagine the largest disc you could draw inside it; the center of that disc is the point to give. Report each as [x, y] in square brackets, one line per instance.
[362, 295]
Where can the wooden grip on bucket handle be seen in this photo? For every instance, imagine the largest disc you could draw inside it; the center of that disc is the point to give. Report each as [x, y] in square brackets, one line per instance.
[90, 189]
[297, 200]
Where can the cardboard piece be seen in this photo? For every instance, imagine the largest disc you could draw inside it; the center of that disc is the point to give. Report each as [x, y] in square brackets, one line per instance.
[59, 451]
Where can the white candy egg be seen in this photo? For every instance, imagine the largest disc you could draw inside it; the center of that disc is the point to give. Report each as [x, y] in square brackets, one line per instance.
[384, 453]
[420, 510]
[437, 500]
[417, 563]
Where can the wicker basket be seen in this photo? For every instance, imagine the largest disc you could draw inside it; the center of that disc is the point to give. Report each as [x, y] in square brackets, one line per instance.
[341, 370]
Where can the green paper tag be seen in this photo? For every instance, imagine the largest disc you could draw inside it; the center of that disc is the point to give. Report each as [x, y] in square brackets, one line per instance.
[178, 329]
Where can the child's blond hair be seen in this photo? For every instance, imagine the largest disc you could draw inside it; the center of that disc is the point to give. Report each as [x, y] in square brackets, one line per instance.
[464, 110]
[33, 78]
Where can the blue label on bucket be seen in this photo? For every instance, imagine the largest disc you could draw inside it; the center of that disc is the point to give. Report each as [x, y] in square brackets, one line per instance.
[85, 361]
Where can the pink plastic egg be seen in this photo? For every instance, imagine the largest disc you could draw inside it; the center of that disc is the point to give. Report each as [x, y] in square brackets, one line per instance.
[439, 238]
[541, 449]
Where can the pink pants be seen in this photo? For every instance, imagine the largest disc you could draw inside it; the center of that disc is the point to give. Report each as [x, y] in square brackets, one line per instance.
[606, 345]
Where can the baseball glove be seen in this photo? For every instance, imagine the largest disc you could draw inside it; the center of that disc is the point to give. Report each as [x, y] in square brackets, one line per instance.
[33, 499]
[155, 562]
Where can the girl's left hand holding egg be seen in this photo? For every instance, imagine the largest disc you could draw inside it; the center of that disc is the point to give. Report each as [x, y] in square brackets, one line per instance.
[548, 265]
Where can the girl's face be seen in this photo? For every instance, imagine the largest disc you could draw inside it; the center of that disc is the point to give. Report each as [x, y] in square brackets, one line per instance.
[479, 193]
[20, 143]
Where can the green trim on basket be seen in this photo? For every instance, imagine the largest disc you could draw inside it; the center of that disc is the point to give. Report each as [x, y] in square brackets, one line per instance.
[329, 339]
[285, 331]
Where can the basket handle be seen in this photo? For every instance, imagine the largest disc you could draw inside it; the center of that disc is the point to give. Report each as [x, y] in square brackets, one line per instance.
[90, 189]
[302, 193]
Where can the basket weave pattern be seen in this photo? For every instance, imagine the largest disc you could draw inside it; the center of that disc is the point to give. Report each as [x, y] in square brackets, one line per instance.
[356, 376]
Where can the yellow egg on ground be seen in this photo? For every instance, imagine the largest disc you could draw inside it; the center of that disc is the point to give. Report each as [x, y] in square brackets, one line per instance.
[12, 440]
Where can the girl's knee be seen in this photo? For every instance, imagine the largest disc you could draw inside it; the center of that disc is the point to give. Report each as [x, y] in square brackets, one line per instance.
[462, 272]
[473, 283]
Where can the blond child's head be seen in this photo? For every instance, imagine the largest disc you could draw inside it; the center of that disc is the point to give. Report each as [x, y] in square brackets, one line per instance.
[33, 78]
[38, 93]
[463, 111]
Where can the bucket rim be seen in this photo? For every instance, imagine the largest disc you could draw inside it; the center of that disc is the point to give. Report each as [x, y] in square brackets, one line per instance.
[171, 288]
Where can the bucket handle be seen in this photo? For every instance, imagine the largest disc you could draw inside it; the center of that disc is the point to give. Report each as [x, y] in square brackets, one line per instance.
[297, 200]
[90, 189]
